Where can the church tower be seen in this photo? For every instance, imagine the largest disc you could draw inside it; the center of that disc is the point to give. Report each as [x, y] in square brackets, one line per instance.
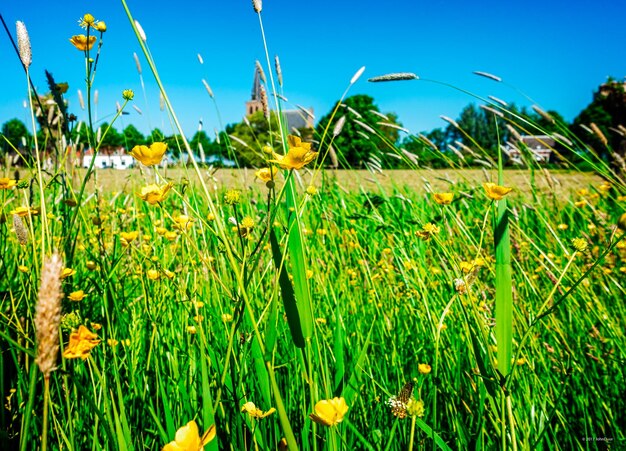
[254, 104]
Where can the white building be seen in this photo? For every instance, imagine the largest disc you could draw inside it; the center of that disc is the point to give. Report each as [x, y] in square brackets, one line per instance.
[110, 161]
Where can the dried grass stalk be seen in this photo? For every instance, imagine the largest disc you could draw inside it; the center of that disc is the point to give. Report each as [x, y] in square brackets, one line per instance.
[23, 44]
[48, 315]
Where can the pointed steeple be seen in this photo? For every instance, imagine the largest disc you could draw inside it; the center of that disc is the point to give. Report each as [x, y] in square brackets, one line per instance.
[254, 104]
[256, 86]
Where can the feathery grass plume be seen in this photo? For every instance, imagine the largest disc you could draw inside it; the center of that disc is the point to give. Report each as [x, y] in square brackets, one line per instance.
[239, 140]
[562, 138]
[48, 315]
[398, 76]
[23, 44]
[259, 68]
[257, 5]
[357, 75]
[412, 157]
[264, 103]
[617, 131]
[305, 111]
[137, 63]
[200, 60]
[498, 100]
[543, 114]
[20, 230]
[96, 97]
[339, 126]
[450, 121]
[279, 71]
[353, 111]
[587, 129]
[142, 34]
[514, 132]
[333, 157]
[364, 126]
[137, 109]
[282, 97]
[379, 114]
[161, 101]
[81, 100]
[492, 111]
[622, 128]
[598, 133]
[428, 141]
[390, 125]
[487, 75]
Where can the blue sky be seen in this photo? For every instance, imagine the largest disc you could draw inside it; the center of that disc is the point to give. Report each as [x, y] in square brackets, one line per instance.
[556, 52]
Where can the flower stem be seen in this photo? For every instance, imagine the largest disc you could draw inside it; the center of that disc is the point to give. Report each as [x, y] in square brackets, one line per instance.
[46, 396]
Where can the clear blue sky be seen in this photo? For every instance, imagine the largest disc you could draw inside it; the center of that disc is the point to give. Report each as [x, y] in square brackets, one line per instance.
[557, 52]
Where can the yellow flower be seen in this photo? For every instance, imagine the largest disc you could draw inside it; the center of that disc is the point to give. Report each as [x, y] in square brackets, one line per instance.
[87, 21]
[81, 42]
[311, 190]
[329, 412]
[427, 231]
[254, 411]
[245, 226]
[23, 269]
[191, 330]
[415, 408]
[77, 296]
[183, 222]
[6, 183]
[297, 157]
[24, 211]
[562, 227]
[112, 342]
[496, 192]
[91, 265]
[101, 26]
[154, 193]
[81, 343]
[153, 274]
[621, 222]
[443, 198]
[149, 156]
[580, 244]
[227, 317]
[423, 368]
[128, 237]
[67, 272]
[581, 203]
[266, 174]
[188, 438]
[171, 236]
[128, 94]
[232, 197]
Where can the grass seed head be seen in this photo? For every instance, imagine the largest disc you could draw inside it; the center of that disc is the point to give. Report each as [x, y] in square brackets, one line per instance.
[48, 315]
[23, 44]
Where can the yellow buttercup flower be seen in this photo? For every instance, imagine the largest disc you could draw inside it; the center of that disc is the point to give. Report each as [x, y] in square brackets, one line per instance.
[153, 274]
[81, 42]
[621, 222]
[6, 183]
[297, 157]
[266, 174]
[149, 156]
[496, 192]
[443, 198]
[188, 438]
[87, 21]
[128, 237]
[81, 343]
[424, 368]
[154, 193]
[23, 212]
[183, 222]
[255, 412]
[67, 272]
[329, 412]
[76, 296]
[428, 230]
[101, 26]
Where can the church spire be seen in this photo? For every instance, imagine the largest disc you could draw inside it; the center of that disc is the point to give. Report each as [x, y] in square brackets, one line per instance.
[256, 86]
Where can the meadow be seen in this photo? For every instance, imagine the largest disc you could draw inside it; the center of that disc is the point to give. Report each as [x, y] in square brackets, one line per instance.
[297, 307]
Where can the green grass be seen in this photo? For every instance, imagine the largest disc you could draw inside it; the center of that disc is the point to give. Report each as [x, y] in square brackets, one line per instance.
[338, 294]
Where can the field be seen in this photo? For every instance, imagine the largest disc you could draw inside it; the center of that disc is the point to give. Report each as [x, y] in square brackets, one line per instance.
[298, 307]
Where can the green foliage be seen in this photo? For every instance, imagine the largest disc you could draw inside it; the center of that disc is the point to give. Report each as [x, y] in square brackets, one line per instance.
[607, 111]
[255, 132]
[16, 133]
[357, 146]
[132, 137]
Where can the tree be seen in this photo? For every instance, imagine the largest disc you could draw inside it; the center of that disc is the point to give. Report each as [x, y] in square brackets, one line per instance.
[112, 140]
[364, 138]
[16, 133]
[607, 111]
[248, 138]
[132, 137]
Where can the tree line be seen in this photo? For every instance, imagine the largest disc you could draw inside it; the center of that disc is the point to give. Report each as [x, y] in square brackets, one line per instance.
[371, 138]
